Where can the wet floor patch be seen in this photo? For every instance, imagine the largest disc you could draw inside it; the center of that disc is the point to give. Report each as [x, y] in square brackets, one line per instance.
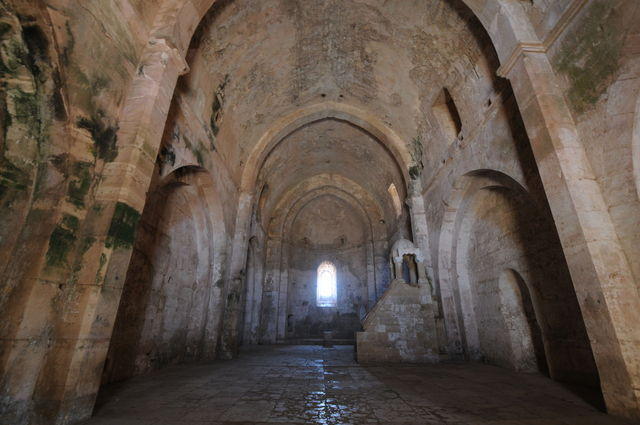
[317, 385]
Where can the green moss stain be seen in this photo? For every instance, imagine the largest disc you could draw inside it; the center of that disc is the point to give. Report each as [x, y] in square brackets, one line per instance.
[26, 45]
[167, 155]
[216, 106]
[103, 135]
[4, 29]
[68, 48]
[60, 163]
[25, 69]
[80, 184]
[87, 243]
[196, 149]
[37, 47]
[16, 106]
[199, 155]
[4, 70]
[415, 172]
[13, 176]
[123, 227]
[102, 262]
[5, 119]
[26, 106]
[590, 55]
[57, 100]
[62, 240]
[233, 298]
[215, 115]
[26, 111]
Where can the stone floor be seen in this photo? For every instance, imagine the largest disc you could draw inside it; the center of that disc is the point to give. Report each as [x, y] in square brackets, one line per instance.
[316, 385]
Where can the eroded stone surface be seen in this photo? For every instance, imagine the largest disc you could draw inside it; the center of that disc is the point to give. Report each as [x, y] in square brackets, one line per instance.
[522, 198]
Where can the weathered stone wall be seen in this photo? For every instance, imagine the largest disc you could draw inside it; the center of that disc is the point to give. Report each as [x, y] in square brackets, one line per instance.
[172, 302]
[474, 241]
[597, 59]
[326, 229]
[321, 199]
[64, 73]
[502, 230]
[233, 101]
[493, 138]
[86, 89]
[400, 328]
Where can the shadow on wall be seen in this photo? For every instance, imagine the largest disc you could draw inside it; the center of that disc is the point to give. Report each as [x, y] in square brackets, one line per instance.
[172, 298]
[506, 289]
[525, 337]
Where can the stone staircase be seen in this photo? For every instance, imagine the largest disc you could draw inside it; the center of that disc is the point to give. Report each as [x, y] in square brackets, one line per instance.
[401, 327]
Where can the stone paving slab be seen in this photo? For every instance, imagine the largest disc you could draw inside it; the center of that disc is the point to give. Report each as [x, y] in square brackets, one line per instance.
[317, 385]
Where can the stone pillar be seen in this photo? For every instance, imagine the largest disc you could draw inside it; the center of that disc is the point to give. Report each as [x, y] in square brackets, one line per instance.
[257, 306]
[422, 271]
[383, 273]
[283, 291]
[423, 279]
[234, 287]
[419, 224]
[68, 312]
[371, 276]
[397, 268]
[601, 275]
[268, 315]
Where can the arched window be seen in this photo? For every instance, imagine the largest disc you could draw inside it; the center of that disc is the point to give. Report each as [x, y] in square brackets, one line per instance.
[395, 197]
[327, 290]
[446, 112]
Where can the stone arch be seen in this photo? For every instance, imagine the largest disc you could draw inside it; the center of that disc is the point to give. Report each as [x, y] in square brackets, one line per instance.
[371, 212]
[457, 326]
[455, 323]
[636, 147]
[187, 201]
[349, 246]
[218, 241]
[301, 203]
[252, 270]
[369, 231]
[408, 263]
[279, 253]
[574, 197]
[176, 21]
[328, 182]
[164, 62]
[459, 293]
[515, 301]
[321, 111]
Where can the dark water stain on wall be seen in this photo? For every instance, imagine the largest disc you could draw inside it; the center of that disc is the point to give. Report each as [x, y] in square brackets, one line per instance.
[589, 57]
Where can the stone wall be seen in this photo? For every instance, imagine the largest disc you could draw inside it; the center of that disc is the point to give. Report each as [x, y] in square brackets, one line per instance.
[501, 231]
[401, 327]
[496, 221]
[172, 302]
[65, 71]
[597, 61]
[326, 229]
[314, 98]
